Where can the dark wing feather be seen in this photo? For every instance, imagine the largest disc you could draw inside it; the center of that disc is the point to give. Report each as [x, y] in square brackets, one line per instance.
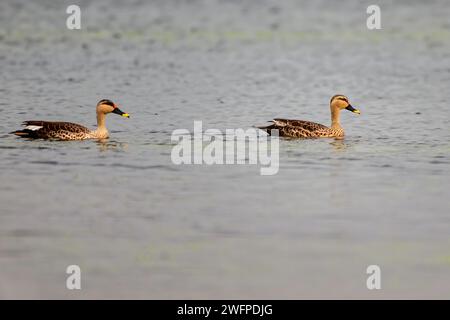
[307, 125]
[296, 128]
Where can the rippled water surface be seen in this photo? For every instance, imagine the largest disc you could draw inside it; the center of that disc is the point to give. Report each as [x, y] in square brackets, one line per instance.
[141, 227]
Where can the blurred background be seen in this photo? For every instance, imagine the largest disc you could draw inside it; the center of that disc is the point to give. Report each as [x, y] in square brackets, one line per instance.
[140, 227]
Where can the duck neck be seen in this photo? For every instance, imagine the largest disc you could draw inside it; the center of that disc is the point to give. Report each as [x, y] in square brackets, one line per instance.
[335, 123]
[101, 121]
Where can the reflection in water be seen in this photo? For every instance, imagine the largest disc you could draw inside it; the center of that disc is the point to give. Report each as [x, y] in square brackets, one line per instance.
[123, 211]
[108, 145]
[339, 144]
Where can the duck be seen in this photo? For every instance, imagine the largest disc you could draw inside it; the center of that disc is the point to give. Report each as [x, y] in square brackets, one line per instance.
[56, 130]
[307, 129]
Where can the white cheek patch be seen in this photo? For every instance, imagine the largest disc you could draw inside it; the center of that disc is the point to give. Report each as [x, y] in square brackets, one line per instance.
[33, 128]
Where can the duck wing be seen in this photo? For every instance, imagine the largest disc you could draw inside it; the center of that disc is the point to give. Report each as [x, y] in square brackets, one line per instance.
[297, 128]
[306, 125]
[51, 130]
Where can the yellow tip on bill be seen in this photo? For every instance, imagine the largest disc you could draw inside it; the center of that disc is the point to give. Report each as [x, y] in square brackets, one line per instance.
[126, 115]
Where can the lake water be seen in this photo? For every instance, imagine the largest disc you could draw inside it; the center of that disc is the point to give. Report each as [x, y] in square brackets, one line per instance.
[142, 227]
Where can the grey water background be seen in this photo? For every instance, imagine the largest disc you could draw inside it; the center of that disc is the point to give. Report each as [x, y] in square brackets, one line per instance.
[141, 227]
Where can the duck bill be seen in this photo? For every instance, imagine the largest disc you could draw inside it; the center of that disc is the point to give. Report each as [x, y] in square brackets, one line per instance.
[350, 108]
[120, 113]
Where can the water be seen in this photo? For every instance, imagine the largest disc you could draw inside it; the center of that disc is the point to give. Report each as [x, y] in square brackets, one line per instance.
[141, 227]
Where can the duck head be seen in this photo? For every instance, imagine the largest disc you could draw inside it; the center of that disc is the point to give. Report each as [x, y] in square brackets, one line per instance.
[340, 102]
[107, 106]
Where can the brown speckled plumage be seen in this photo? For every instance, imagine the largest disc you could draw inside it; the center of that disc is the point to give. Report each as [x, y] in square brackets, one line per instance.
[308, 129]
[56, 130]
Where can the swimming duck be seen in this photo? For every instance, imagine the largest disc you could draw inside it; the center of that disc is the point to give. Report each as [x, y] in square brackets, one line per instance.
[71, 131]
[308, 129]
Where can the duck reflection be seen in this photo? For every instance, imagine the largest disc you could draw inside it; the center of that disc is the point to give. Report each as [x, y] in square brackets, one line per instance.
[111, 145]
